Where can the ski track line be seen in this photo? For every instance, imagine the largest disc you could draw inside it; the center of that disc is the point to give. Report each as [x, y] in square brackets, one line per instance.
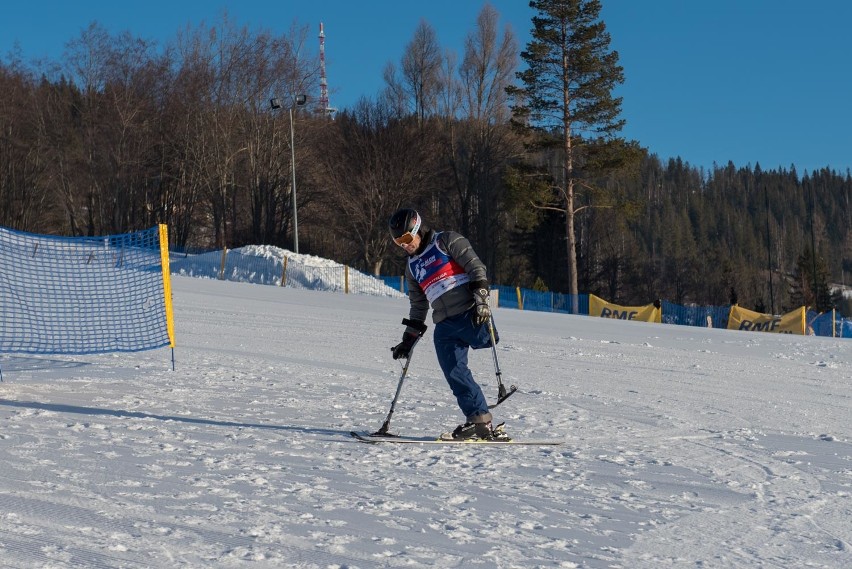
[579, 519]
[127, 469]
[24, 554]
[742, 527]
[43, 514]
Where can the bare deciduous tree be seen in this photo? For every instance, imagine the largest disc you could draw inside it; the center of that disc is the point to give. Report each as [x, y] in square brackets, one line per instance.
[375, 163]
[23, 159]
[478, 141]
[415, 88]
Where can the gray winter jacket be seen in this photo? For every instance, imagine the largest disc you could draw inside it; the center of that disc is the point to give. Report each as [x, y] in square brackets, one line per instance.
[456, 300]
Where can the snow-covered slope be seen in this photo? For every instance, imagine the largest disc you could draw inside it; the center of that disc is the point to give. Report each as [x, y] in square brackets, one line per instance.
[267, 264]
[684, 447]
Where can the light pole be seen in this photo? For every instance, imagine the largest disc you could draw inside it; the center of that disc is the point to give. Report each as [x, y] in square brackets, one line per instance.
[275, 104]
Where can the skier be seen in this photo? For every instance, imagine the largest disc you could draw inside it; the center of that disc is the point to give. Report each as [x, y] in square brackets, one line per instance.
[445, 272]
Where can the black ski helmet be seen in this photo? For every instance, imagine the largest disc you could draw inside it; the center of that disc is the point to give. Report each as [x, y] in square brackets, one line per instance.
[404, 221]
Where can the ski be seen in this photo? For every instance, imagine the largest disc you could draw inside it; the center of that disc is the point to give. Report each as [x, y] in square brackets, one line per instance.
[441, 440]
[503, 396]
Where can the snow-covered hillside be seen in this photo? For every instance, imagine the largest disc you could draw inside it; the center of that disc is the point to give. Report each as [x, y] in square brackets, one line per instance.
[683, 447]
[267, 264]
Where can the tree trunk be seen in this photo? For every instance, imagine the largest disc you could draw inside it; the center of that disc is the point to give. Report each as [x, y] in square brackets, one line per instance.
[571, 239]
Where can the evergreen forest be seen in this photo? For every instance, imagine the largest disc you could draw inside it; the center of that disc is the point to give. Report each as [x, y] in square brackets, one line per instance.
[122, 134]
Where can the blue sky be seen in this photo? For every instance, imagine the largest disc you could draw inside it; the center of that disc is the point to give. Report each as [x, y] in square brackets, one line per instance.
[750, 81]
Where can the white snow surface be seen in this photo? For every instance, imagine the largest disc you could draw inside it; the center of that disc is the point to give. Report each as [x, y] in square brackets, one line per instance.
[683, 447]
[265, 264]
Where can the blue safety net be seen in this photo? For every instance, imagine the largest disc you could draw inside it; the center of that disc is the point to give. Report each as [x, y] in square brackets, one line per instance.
[81, 295]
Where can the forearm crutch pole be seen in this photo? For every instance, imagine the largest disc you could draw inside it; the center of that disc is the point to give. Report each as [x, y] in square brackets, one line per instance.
[502, 393]
[421, 329]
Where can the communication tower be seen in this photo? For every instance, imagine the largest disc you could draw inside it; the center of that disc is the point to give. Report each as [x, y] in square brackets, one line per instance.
[324, 107]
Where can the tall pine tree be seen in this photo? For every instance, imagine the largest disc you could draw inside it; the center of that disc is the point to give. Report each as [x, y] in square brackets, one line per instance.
[810, 283]
[566, 95]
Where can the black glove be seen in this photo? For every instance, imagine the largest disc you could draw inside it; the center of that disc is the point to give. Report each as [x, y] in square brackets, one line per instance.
[403, 349]
[481, 310]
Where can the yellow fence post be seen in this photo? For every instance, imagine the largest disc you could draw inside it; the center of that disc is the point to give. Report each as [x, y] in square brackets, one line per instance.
[520, 298]
[167, 286]
[284, 271]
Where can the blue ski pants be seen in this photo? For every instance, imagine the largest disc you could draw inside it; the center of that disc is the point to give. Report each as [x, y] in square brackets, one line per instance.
[453, 337]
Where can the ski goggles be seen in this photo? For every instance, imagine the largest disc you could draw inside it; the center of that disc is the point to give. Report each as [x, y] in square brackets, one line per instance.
[409, 235]
[404, 239]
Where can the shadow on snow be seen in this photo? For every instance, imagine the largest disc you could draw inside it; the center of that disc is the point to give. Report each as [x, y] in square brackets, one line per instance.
[95, 411]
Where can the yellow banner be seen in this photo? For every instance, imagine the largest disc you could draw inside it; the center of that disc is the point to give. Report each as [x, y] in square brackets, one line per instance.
[603, 309]
[790, 323]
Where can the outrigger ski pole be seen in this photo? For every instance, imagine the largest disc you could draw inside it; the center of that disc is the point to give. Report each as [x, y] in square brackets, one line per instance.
[421, 329]
[502, 394]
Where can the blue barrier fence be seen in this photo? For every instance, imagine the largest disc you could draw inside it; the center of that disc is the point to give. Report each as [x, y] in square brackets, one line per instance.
[704, 316]
[526, 299]
[828, 324]
[269, 265]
